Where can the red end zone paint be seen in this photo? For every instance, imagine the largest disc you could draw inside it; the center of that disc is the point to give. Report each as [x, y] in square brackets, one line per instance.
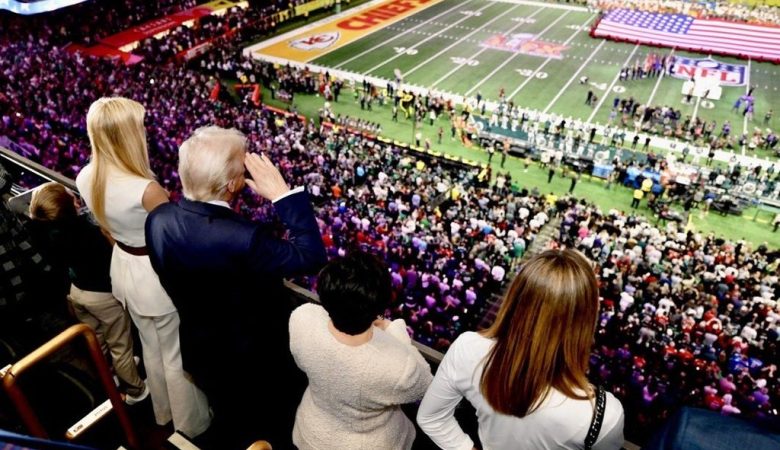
[310, 42]
[376, 16]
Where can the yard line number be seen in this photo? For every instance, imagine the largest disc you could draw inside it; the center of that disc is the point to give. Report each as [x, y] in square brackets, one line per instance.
[530, 73]
[464, 61]
[405, 51]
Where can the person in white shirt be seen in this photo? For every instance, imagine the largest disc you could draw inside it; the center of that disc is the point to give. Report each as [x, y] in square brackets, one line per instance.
[498, 273]
[526, 375]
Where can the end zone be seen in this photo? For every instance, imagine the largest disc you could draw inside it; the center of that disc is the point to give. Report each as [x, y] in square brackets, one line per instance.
[307, 43]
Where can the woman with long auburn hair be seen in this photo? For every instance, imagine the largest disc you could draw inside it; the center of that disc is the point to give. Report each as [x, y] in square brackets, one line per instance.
[119, 188]
[526, 375]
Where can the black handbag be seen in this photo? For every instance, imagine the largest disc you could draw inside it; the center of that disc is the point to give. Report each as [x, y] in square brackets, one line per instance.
[598, 418]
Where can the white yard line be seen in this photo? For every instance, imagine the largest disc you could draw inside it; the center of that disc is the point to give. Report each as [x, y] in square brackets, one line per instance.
[609, 89]
[658, 83]
[483, 49]
[421, 24]
[508, 60]
[418, 66]
[574, 77]
[417, 44]
[696, 109]
[547, 61]
[747, 89]
[546, 5]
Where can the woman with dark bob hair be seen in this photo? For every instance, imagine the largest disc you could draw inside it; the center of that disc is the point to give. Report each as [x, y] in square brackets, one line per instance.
[526, 375]
[361, 367]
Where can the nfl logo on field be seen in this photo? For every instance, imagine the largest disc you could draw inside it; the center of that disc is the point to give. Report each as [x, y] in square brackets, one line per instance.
[316, 41]
[725, 74]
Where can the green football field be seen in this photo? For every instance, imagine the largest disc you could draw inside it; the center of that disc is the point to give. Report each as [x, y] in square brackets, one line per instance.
[441, 48]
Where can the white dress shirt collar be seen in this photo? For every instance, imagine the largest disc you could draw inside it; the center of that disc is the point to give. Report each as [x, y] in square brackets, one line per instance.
[287, 194]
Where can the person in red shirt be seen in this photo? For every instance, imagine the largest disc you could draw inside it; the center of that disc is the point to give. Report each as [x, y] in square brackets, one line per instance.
[327, 239]
[685, 355]
[670, 350]
[712, 399]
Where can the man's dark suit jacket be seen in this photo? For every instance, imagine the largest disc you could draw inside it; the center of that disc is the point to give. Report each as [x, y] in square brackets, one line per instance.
[224, 275]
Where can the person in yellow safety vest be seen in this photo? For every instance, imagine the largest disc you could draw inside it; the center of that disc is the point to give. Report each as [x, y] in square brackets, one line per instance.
[405, 104]
[647, 185]
[482, 175]
[551, 198]
[454, 194]
[638, 194]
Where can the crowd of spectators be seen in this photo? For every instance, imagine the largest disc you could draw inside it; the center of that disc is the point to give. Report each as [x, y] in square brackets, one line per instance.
[686, 318]
[450, 244]
[187, 37]
[450, 257]
[572, 140]
[628, 115]
[90, 21]
[567, 139]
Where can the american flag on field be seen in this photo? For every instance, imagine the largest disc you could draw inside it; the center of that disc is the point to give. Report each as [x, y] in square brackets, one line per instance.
[686, 32]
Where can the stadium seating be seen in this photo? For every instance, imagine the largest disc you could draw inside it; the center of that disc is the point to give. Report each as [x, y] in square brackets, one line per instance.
[450, 233]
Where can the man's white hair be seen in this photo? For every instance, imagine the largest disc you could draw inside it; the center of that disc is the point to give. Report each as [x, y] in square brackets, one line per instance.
[208, 160]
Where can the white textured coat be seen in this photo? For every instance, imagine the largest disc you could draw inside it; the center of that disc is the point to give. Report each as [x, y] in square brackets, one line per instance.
[354, 394]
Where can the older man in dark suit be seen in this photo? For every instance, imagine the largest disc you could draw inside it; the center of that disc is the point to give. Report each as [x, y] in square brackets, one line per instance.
[224, 274]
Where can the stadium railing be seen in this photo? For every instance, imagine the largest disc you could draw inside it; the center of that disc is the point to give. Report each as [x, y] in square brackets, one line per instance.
[14, 373]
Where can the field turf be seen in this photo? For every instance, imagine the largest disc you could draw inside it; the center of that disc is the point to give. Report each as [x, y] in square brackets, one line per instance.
[440, 48]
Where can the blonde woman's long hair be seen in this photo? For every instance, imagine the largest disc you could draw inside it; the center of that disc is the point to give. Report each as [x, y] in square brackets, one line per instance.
[115, 126]
[543, 334]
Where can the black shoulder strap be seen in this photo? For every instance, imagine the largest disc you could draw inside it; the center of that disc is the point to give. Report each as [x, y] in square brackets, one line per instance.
[598, 418]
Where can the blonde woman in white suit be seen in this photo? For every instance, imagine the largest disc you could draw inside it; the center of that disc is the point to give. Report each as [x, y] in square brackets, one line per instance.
[119, 188]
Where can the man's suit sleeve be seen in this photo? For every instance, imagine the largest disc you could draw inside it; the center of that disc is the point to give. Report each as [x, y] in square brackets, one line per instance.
[303, 251]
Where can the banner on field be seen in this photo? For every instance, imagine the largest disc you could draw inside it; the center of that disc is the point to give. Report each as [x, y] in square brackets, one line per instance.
[217, 5]
[727, 74]
[196, 51]
[311, 6]
[310, 43]
[104, 51]
[526, 44]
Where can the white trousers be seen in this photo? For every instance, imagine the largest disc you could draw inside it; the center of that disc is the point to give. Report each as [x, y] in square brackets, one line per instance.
[174, 396]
